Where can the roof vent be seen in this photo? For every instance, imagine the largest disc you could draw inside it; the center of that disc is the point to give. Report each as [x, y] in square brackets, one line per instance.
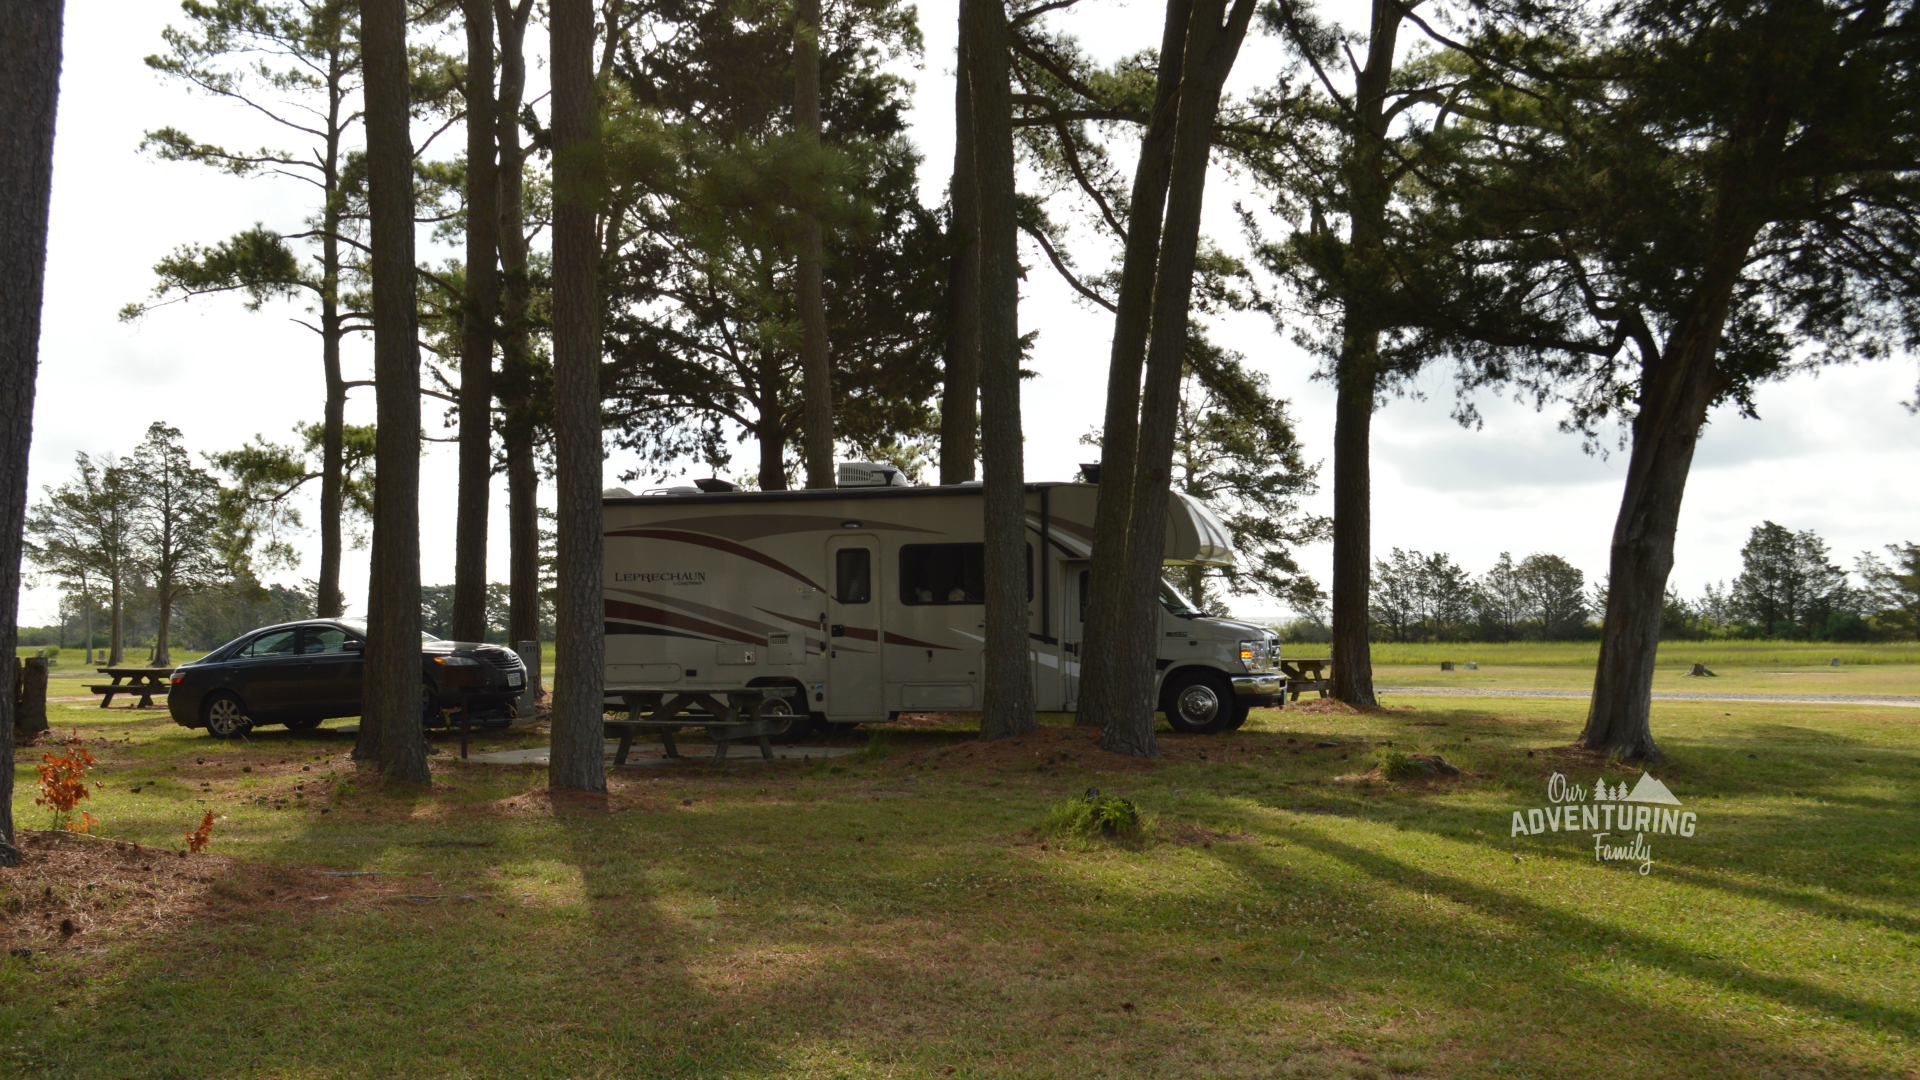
[865, 474]
[714, 486]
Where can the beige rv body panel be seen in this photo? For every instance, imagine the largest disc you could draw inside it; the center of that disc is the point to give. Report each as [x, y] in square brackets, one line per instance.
[866, 598]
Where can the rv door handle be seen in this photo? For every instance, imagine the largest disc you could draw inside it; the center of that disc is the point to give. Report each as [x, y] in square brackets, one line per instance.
[839, 630]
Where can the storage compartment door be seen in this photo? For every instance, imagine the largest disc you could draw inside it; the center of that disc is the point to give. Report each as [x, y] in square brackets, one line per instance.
[856, 675]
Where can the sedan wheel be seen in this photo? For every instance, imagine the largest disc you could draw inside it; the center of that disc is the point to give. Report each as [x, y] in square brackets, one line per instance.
[227, 717]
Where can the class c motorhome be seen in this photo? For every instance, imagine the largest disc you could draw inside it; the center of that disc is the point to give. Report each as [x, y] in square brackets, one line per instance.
[867, 600]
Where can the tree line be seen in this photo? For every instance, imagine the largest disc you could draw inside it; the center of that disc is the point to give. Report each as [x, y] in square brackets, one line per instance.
[1631, 210]
[1788, 588]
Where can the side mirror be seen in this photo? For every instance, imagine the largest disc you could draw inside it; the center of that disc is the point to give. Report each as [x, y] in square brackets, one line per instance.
[350, 645]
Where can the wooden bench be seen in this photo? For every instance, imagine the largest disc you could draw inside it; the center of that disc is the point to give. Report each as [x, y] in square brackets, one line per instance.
[145, 681]
[729, 713]
[1309, 674]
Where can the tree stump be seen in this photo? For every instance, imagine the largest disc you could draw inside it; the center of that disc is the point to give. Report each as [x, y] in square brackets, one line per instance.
[1446, 665]
[30, 699]
[1700, 670]
[1473, 665]
[1835, 663]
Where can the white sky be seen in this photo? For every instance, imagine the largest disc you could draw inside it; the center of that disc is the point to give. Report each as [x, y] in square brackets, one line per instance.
[1830, 453]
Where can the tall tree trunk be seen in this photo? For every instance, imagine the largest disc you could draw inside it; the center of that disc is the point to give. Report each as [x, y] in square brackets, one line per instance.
[1676, 391]
[476, 339]
[1008, 705]
[1352, 679]
[1356, 369]
[329, 601]
[519, 368]
[1211, 49]
[86, 599]
[577, 762]
[115, 652]
[29, 91]
[1102, 658]
[390, 691]
[161, 653]
[816, 376]
[773, 442]
[960, 398]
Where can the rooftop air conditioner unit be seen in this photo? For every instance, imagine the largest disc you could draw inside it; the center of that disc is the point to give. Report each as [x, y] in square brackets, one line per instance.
[864, 474]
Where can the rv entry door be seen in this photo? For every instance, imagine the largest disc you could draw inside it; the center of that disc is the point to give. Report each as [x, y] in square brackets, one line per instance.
[1073, 628]
[855, 678]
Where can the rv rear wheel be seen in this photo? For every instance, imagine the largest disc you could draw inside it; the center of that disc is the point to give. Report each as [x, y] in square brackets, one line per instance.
[798, 724]
[1202, 702]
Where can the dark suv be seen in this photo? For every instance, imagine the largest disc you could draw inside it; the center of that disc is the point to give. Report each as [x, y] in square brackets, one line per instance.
[299, 674]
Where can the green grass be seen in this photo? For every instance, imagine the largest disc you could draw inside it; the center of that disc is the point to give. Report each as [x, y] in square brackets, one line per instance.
[899, 917]
[1587, 653]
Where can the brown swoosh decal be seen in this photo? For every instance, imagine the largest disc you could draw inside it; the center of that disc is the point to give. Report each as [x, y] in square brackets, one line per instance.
[718, 544]
[620, 609]
[897, 639]
[860, 633]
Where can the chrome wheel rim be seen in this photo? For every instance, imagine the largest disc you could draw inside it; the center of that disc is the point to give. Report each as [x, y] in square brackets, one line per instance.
[1199, 704]
[224, 717]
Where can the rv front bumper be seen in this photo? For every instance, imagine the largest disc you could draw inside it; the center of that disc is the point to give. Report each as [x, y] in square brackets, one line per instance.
[1255, 691]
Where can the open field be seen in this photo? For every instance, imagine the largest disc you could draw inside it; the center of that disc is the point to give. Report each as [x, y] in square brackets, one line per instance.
[1797, 654]
[896, 915]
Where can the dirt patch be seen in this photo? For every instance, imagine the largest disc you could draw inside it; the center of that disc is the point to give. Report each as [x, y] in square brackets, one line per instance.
[76, 894]
[1047, 749]
[1320, 707]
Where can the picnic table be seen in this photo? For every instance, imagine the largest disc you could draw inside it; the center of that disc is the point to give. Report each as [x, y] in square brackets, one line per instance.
[728, 713]
[1307, 674]
[145, 681]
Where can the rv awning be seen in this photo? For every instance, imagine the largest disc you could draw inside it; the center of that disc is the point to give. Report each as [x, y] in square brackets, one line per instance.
[1194, 536]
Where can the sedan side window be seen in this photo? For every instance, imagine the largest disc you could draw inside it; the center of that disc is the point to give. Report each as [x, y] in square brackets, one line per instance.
[276, 644]
[323, 639]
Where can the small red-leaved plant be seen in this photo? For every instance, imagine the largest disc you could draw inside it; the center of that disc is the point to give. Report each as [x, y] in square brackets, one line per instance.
[63, 783]
[198, 839]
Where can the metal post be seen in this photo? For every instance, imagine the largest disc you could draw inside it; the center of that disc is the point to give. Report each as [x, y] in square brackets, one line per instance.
[526, 706]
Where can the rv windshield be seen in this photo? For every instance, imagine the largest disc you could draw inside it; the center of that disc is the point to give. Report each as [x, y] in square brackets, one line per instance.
[1176, 604]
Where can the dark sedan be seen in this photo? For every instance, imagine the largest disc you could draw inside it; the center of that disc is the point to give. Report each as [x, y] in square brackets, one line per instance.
[299, 674]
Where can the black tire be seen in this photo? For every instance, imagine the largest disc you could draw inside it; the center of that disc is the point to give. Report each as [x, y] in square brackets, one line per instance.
[1202, 702]
[429, 706]
[797, 728]
[303, 724]
[225, 716]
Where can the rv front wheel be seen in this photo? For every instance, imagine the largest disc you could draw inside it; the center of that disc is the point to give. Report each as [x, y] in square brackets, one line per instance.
[1203, 703]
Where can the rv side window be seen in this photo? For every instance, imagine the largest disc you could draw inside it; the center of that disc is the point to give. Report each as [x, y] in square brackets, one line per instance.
[948, 573]
[852, 575]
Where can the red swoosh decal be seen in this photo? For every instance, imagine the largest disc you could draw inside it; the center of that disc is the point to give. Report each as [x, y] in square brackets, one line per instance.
[728, 546]
[621, 609]
[896, 639]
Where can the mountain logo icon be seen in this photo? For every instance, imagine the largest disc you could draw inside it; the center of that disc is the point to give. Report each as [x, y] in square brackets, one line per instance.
[1649, 790]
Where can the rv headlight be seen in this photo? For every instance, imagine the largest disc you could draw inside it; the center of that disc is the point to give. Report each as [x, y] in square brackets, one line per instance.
[1251, 650]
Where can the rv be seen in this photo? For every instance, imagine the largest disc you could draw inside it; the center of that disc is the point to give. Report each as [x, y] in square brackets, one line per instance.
[867, 600]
